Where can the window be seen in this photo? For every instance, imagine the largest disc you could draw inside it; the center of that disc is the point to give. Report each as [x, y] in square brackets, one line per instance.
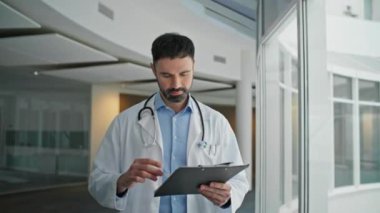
[368, 129]
[369, 91]
[343, 129]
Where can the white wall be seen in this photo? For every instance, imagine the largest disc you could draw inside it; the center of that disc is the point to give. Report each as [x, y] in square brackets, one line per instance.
[337, 7]
[356, 201]
[320, 113]
[104, 108]
[344, 35]
[136, 24]
[342, 31]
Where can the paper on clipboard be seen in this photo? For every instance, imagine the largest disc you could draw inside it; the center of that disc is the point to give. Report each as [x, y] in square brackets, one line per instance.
[186, 180]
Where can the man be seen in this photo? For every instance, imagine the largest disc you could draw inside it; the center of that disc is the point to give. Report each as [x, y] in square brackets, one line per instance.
[149, 141]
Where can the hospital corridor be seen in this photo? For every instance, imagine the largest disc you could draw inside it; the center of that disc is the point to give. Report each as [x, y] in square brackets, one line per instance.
[99, 99]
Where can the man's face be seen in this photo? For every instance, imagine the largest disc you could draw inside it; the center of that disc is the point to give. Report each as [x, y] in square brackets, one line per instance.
[174, 77]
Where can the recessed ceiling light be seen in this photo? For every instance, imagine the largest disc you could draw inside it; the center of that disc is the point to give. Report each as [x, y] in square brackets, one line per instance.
[36, 73]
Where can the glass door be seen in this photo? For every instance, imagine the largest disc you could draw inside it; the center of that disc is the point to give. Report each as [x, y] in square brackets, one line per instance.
[279, 114]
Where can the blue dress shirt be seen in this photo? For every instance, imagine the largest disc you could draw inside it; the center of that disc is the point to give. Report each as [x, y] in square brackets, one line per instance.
[174, 129]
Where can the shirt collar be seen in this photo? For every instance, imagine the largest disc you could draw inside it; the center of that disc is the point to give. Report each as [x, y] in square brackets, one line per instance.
[159, 103]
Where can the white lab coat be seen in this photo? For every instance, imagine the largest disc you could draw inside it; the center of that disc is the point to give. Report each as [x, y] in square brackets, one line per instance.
[128, 139]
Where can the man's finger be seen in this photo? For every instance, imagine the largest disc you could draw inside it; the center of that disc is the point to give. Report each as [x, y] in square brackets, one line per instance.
[148, 161]
[222, 186]
[217, 199]
[215, 191]
[144, 174]
[147, 165]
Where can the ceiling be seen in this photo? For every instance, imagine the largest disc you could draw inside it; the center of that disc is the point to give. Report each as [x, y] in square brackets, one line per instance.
[47, 49]
[35, 49]
[238, 14]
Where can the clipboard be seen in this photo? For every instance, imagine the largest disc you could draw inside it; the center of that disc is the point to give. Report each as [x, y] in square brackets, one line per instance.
[186, 180]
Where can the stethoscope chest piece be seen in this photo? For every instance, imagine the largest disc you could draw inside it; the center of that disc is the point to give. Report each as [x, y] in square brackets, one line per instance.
[202, 144]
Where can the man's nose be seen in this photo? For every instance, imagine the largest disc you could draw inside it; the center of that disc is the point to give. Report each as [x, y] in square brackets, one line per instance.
[175, 82]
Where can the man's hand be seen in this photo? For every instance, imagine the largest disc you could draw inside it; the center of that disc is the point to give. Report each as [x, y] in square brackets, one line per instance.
[218, 193]
[140, 170]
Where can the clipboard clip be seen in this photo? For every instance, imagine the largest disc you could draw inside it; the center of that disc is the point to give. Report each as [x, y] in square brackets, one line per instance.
[220, 164]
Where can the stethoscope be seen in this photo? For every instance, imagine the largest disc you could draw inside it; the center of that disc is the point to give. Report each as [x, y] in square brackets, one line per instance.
[147, 108]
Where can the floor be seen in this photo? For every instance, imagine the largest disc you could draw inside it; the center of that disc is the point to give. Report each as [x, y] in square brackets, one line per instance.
[58, 196]
[17, 181]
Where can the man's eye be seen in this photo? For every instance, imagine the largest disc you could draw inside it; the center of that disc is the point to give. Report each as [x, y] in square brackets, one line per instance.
[165, 75]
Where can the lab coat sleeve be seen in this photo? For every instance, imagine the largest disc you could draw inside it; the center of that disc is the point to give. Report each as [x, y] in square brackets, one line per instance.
[239, 183]
[105, 171]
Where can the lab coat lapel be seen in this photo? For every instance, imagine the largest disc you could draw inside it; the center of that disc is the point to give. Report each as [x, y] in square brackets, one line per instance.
[149, 127]
[195, 130]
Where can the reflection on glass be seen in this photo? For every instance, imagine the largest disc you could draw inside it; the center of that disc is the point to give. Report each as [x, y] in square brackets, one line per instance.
[273, 10]
[369, 144]
[281, 70]
[368, 9]
[294, 73]
[282, 67]
[295, 145]
[45, 131]
[282, 145]
[343, 144]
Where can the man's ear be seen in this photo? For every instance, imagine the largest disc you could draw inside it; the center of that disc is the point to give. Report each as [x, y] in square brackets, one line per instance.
[153, 69]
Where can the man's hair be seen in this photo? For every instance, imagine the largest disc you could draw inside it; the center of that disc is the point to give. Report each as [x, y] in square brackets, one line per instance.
[172, 45]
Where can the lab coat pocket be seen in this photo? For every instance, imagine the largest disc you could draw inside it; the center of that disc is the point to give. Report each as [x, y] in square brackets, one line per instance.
[209, 152]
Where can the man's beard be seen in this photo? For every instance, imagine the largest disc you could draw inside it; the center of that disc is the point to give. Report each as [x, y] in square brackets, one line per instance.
[175, 98]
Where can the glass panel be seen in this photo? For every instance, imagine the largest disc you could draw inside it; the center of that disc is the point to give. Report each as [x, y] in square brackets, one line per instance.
[342, 87]
[281, 119]
[343, 140]
[369, 91]
[282, 144]
[368, 9]
[45, 130]
[274, 10]
[245, 8]
[294, 71]
[295, 145]
[343, 136]
[282, 67]
[369, 144]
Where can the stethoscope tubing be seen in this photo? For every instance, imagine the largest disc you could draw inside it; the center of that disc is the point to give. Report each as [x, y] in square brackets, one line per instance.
[146, 107]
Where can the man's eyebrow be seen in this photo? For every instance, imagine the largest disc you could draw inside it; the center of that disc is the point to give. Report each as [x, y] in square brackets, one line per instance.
[164, 72]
